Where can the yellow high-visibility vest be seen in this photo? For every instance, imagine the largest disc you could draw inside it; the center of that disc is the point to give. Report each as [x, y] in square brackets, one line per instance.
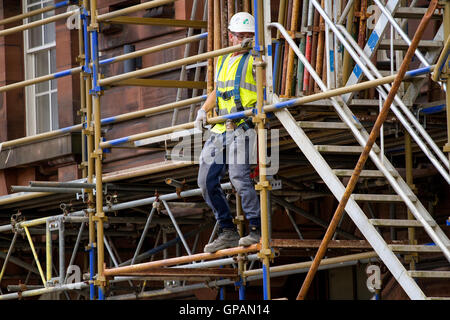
[226, 96]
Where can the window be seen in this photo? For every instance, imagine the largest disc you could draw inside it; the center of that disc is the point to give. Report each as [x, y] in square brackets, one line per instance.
[40, 60]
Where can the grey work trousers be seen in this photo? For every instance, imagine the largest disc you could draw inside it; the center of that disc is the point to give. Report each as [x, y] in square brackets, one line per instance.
[235, 150]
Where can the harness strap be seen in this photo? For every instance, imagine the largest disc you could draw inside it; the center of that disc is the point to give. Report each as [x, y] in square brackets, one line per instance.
[237, 83]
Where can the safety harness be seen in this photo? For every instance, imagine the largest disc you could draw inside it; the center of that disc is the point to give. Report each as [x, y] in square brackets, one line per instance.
[237, 82]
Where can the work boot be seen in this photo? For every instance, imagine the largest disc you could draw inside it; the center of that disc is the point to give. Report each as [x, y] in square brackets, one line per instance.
[228, 238]
[252, 238]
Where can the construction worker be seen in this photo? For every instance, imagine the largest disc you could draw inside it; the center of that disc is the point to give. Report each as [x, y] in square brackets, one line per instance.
[234, 91]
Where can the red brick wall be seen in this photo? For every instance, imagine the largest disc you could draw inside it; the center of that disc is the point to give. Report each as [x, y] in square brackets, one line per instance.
[114, 101]
[12, 103]
[120, 100]
[68, 87]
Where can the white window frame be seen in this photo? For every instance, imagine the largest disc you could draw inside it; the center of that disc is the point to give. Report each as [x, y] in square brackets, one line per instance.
[29, 64]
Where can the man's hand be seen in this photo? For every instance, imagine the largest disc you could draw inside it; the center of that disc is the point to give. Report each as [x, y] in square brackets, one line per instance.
[247, 42]
[200, 121]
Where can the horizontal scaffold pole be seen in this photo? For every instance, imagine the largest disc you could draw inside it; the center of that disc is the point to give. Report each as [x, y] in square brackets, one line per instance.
[57, 184]
[38, 292]
[343, 90]
[267, 108]
[114, 207]
[37, 11]
[162, 83]
[237, 115]
[138, 7]
[45, 189]
[109, 120]
[198, 24]
[305, 265]
[168, 65]
[154, 49]
[343, 261]
[178, 260]
[145, 135]
[148, 201]
[48, 77]
[126, 174]
[38, 23]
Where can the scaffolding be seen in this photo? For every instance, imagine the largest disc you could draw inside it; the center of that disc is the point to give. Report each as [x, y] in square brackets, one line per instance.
[317, 63]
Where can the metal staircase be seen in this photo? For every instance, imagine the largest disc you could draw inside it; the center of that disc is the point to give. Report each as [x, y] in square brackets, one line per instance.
[389, 254]
[368, 226]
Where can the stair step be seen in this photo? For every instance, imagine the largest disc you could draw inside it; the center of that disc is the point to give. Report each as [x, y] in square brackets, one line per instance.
[400, 44]
[322, 125]
[342, 149]
[383, 197]
[429, 274]
[413, 248]
[399, 223]
[363, 174]
[386, 252]
[414, 13]
[377, 197]
[438, 298]
[364, 103]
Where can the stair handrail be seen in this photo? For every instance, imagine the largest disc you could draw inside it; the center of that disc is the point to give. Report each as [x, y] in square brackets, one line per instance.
[424, 148]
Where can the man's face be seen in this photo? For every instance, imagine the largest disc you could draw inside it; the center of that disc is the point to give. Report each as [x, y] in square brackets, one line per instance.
[237, 37]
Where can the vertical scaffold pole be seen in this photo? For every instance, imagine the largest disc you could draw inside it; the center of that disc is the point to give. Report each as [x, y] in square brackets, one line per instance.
[278, 46]
[88, 130]
[82, 111]
[263, 185]
[241, 290]
[217, 26]
[300, 67]
[62, 250]
[97, 153]
[306, 75]
[210, 47]
[239, 221]
[48, 250]
[290, 65]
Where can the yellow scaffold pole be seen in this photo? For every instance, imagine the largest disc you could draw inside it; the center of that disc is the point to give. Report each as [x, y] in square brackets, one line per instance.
[35, 256]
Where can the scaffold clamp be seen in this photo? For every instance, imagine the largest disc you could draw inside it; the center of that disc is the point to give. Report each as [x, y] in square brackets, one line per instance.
[266, 253]
[263, 185]
[100, 216]
[96, 91]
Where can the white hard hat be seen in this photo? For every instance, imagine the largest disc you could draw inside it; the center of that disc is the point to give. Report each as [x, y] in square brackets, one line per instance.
[242, 22]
